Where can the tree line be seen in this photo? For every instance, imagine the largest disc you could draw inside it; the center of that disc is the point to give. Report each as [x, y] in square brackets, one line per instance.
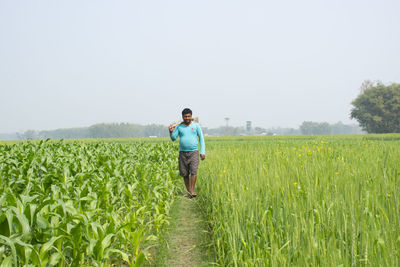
[315, 128]
[101, 130]
[376, 108]
[306, 128]
[129, 130]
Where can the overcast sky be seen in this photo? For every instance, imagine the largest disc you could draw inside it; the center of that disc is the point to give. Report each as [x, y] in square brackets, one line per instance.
[276, 63]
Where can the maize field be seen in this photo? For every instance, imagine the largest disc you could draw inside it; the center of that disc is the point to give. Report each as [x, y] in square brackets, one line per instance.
[83, 203]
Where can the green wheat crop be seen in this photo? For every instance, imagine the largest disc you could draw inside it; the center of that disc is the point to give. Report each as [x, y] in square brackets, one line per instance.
[303, 201]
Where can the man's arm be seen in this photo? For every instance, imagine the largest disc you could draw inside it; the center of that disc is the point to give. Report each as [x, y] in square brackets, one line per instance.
[202, 143]
[173, 132]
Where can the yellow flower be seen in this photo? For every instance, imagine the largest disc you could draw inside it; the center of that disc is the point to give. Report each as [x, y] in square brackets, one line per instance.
[295, 184]
[388, 195]
[336, 173]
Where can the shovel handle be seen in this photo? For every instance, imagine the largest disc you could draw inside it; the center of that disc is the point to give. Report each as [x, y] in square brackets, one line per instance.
[176, 124]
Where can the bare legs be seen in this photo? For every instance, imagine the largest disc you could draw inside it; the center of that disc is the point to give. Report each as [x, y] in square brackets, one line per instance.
[187, 183]
[193, 178]
[190, 183]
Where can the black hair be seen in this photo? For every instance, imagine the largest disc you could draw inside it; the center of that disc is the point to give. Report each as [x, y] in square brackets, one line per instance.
[186, 111]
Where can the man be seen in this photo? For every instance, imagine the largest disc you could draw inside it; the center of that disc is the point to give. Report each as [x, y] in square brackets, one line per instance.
[189, 133]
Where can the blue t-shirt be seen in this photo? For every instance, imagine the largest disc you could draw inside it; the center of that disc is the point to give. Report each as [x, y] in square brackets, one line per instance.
[188, 137]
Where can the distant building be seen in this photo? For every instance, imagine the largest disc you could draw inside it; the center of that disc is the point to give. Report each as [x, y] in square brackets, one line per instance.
[248, 126]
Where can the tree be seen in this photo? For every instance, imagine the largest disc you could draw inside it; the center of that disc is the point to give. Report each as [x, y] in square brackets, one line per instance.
[377, 109]
[309, 128]
[367, 84]
[29, 135]
[340, 128]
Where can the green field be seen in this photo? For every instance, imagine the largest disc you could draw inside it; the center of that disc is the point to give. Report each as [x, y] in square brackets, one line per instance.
[268, 201]
[83, 203]
[303, 201]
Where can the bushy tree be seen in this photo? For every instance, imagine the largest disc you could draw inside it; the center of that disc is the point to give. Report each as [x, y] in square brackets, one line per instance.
[309, 127]
[341, 128]
[377, 108]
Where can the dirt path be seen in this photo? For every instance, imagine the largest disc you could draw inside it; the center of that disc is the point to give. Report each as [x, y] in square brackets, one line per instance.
[186, 238]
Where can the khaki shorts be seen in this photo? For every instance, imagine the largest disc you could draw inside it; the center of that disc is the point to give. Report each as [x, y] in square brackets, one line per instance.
[188, 162]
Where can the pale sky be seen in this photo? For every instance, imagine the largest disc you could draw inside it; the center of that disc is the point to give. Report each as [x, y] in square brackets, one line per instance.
[276, 63]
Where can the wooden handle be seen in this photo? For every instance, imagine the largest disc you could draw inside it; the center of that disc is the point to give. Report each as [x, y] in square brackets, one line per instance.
[195, 119]
[176, 124]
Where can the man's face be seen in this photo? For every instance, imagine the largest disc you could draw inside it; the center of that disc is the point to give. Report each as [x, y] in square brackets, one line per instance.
[187, 118]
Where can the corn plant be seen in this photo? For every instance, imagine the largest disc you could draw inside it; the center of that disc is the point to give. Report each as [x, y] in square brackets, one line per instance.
[83, 203]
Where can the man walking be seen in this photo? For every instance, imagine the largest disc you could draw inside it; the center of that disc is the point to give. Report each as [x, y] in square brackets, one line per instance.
[188, 132]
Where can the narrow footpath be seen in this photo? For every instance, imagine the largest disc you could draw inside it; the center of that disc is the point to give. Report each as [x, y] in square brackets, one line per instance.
[186, 239]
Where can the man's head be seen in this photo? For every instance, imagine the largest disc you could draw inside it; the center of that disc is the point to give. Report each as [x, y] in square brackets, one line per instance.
[187, 116]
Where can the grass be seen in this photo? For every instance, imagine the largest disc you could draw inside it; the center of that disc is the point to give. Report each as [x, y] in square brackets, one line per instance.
[185, 243]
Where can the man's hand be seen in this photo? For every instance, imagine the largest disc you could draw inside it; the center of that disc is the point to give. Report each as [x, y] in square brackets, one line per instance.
[202, 156]
[171, 128]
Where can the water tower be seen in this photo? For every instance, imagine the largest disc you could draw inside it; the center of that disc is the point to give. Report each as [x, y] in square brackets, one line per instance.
[248, 126]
